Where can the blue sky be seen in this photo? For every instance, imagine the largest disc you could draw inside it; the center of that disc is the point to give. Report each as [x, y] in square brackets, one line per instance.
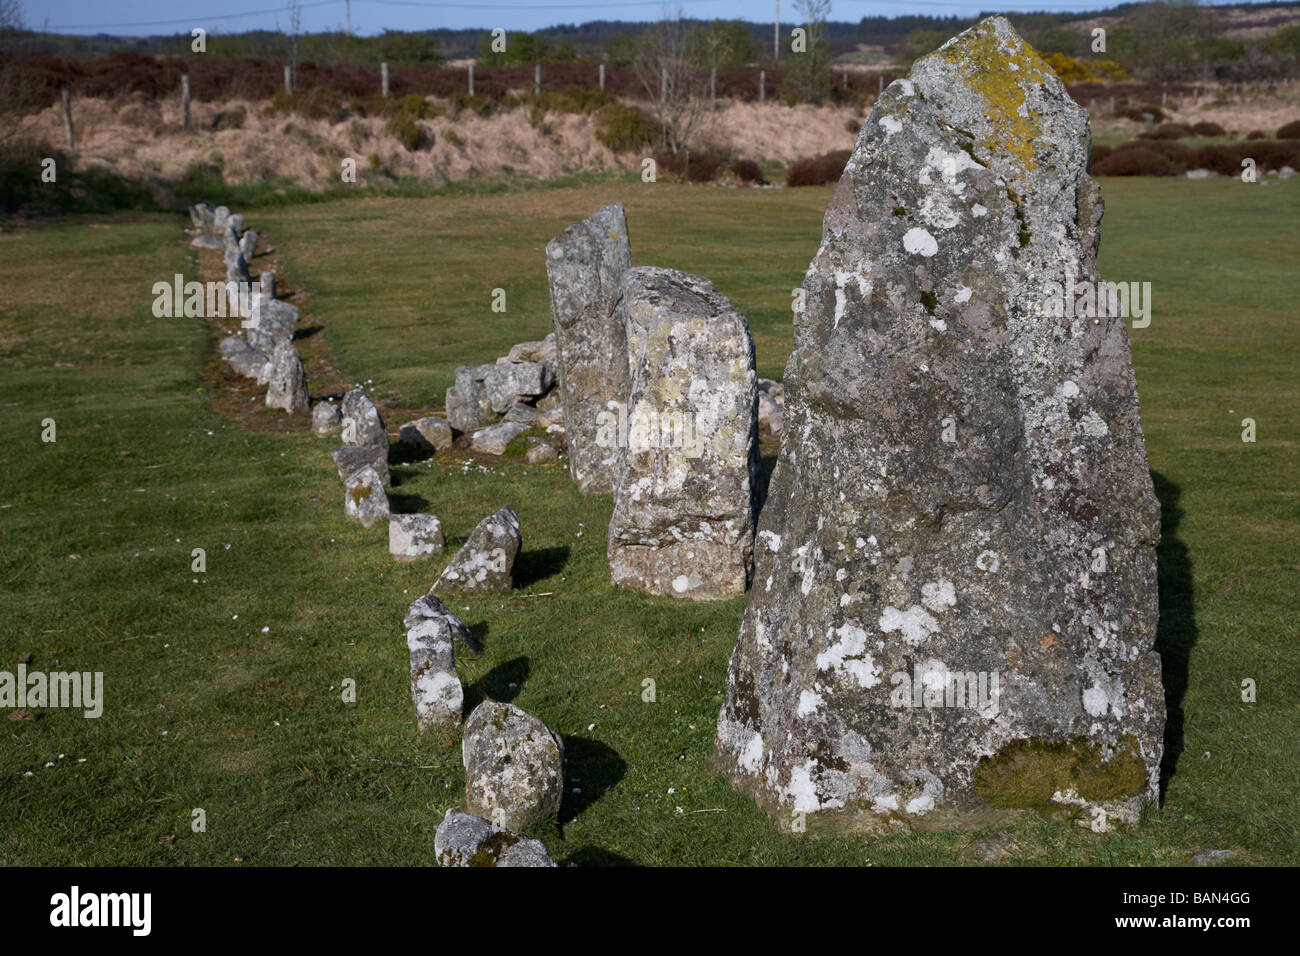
[134, 17]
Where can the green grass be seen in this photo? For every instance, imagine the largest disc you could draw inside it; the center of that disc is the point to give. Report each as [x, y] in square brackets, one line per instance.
[95, 545]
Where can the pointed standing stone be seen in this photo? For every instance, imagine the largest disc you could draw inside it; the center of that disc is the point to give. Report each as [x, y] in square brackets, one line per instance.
[583, 267]
[287, 387]
[431, 632]
[486, 561]
[954, 603]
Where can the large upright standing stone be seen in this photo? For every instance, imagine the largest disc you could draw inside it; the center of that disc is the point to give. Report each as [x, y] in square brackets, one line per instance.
[362, 423]
[288, 384]
[583, 267]
[954, 603]
[688, 485]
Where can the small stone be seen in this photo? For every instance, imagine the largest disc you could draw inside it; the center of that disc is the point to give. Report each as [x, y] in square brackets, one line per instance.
[431, 630]
[266, 284]
[414, 536]
[206, 241]
[463, 839]
[425, 436]
[244, 359]
[514, 766]
[771, 419]
[468, 405]
[995, 846]
[1286, 172]
[487, 559]
[364, 499]
[248, 244]
[494, 439]
[326, 420]
[541, 452]
[1212, 857]
[509, 383]
[1198, 174]
[352, 458]
[287, 387]
[524, 414]
[362, 423]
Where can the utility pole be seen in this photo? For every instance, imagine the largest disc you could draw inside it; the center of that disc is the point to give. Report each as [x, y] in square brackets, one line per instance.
[776, 33]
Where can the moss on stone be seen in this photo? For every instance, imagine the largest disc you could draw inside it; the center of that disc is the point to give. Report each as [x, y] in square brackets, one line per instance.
[930, 301]
[359, 493]
[1026, 772]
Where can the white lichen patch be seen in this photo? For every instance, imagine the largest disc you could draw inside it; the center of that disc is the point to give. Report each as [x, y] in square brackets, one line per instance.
[919, 242]
[915, 624]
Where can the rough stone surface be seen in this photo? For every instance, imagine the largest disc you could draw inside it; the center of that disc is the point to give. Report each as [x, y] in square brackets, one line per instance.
[514, 766]
[962, 487]
[364, 498]
[468, 405]
[326, 420]
[270, 316]
[486, 561]
[541, 451]
[494, 439]
[507, 383]
[412, 537]
[463, 839]
[771, 418]
[584, 265]
[362, 423]
[689, 480]
[287, 386]
[431, 634]
[266, 284]
[352, 458]
[244, 359]
[424, 436]
[248, 244]
[205, 241]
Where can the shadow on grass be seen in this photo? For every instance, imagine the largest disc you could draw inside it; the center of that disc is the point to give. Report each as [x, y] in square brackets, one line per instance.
[307, 332]
[502, 683]
[534, 566]
[1176, 632]
[590, 767]
[594, 856]
[400, 504]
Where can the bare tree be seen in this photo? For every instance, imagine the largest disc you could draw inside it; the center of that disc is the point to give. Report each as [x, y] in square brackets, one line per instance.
[295, 27]
[20, 96]
[673, 81]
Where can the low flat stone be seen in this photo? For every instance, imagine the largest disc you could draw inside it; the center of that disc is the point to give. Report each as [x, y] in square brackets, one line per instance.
[1212, 857]
[352, 458]
[206, 241]
[540, 452]
[511, 382]
[412, 537]
[514, 766]
[487, 559]
[463, 839]
[244, 359]
[524, 414]
[364, 499]
[494, 439]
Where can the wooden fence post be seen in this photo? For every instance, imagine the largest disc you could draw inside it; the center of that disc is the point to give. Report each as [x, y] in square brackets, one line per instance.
[185, 101]
[67, 118]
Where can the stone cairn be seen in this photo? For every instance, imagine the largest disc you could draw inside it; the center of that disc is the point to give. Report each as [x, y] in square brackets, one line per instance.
[955, 595]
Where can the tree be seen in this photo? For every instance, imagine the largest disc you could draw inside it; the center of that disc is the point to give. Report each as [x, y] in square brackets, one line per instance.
[721, 45]
[809, 76]
[20, 94]
[672, 81]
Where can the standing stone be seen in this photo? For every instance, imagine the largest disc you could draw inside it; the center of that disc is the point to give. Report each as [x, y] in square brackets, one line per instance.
[362, 424]
[287, 387]
[431, 633]
[235, 221]
[412, 537]
[486, 562]
[955, 601]
[364, 498]
[514, 766]
[352, 458]
[266, 284]
[248, 246]
[583, 267]
[463, 839]
[326, 420]
[689, 482]
[220, 220]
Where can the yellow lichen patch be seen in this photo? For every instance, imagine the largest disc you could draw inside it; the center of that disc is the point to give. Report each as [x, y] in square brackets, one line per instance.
[1001, 78]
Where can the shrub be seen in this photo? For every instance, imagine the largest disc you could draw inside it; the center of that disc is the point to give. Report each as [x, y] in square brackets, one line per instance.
[818, 170]
[1098, 154]
[309, 104]
[1071, 70]
[624, 129]
[1134, 160]
[1209, 129]
[1167, 131]
[1289, 131]
[1256, 134]
[229, 119]
[1142, 114]
[478, 105]
[412, 135]
[1267, 154]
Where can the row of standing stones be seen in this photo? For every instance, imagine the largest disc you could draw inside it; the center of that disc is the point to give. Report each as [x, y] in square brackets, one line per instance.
[961, 494]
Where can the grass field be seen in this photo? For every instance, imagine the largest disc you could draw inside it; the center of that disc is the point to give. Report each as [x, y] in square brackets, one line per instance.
[223, 688]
